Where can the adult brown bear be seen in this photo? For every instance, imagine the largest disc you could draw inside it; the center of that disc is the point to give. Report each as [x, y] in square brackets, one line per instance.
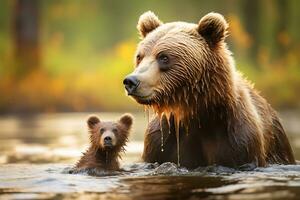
[207, 113]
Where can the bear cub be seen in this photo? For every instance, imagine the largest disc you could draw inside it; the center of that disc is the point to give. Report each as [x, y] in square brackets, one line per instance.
[107, 141]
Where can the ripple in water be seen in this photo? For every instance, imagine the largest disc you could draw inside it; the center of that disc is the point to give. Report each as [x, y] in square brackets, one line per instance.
[149, 181]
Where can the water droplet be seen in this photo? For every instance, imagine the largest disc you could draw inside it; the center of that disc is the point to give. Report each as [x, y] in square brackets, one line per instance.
[186, 129]
[177, 124]
[162, 142]
[106, 157]
[162, 136]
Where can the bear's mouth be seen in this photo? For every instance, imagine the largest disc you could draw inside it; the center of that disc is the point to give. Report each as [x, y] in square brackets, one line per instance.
[146, 100]
[108, 145]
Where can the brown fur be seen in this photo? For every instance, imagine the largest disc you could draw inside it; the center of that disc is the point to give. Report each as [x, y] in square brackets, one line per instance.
[221, 119]
[97, 156]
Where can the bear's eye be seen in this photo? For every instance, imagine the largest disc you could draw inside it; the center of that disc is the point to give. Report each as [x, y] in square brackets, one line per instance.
[115, 130]
[138, 58]
[164, 61]
[102, 130]
[163, 58]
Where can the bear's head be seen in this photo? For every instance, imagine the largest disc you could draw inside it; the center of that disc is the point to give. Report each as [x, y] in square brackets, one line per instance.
[109, 135]
[180, 65]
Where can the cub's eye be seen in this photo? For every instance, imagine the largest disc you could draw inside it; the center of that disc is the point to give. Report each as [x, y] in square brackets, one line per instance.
[102, 130]
[163, 59]
[115, 130]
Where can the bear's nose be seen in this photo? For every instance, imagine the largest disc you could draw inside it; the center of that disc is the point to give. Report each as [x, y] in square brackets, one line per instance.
[107, 139]
[131, 83]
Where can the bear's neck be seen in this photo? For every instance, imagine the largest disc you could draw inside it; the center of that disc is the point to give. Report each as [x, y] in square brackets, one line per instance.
[106, 157]
[216, 99]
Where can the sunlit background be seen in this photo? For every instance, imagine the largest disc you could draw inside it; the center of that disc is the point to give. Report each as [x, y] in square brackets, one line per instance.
[58, 56]
[62, 60]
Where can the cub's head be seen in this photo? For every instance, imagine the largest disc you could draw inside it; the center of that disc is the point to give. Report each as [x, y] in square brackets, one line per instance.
[176, 59]
[109, 135]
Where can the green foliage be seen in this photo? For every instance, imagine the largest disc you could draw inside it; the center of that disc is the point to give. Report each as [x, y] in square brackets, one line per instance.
[87, 48]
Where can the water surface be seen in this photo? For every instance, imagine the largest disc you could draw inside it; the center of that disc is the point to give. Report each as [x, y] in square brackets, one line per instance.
[38, 151]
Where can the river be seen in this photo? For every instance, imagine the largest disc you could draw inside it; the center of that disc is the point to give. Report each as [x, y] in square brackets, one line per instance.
[38, 150]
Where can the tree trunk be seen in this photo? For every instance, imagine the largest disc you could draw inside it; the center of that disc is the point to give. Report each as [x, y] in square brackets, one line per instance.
[281, 34]
[26, 36]
[252, 21]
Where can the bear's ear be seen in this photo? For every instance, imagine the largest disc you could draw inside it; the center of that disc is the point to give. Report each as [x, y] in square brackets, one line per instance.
[147, 23]
[92, 122]
[213, 28]
[126, 120]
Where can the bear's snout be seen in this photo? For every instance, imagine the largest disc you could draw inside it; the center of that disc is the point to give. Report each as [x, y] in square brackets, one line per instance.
[107, 141]
[131, 83]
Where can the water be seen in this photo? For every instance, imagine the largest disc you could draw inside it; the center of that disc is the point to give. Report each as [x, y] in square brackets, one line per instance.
[38, 151]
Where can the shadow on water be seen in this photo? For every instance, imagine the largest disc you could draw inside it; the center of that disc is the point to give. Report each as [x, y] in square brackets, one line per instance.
[150, 181]
[37, 153]
[171, 187]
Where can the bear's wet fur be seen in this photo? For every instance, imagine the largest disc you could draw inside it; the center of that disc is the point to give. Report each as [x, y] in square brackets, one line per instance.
[101, 154]
[199, 96]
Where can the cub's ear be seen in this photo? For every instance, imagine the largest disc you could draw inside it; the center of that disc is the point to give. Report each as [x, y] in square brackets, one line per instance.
[147, 23]
[213, 28]
[126, 120]
[92, 122]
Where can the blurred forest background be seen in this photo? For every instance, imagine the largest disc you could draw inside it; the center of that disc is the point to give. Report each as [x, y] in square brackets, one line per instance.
[64, 55]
